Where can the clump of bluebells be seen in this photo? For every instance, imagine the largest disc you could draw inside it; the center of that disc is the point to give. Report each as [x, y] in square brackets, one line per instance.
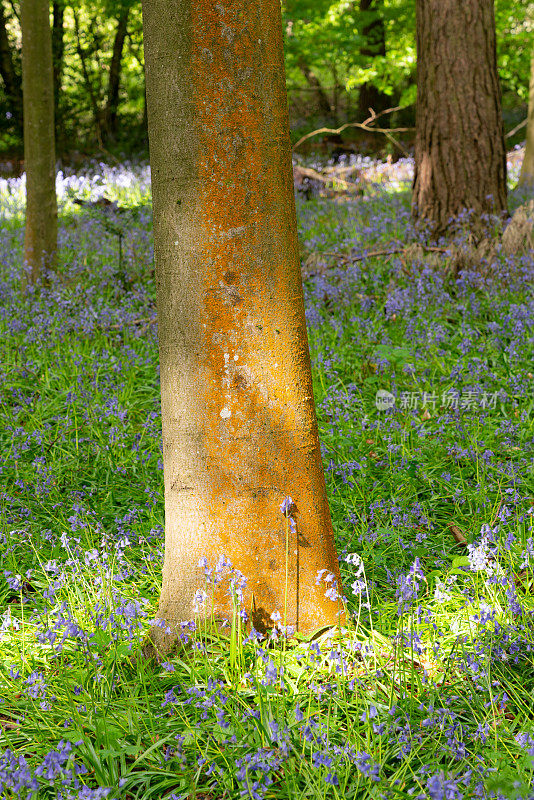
[423, 691]
[408, 587]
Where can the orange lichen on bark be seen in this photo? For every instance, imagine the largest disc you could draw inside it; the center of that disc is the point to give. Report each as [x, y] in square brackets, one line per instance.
[258, 427]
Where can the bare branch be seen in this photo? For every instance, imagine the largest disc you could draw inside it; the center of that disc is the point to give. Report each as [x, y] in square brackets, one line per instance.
[365, 125]
[517, 128]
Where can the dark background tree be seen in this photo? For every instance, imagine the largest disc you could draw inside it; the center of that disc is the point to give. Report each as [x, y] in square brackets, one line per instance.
[460, 156]
[374, 35]
[58, 50]
[11, 76]
[115, 69]
[102, 85]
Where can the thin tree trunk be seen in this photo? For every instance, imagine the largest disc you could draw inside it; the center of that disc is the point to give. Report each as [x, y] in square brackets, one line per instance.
[335, 96]
[115, 75]
[375, 35]
[325, 107]
[527, 167]
[58, 49]
[460, 157]
[10, 76]
[40, 238]
[97, 114]
[239, 426]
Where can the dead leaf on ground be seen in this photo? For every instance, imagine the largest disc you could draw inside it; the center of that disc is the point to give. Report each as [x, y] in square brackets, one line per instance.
[459, 537]
[8, 724]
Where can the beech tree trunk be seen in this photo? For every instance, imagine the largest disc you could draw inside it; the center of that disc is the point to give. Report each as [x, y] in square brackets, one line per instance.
[40, 238]
[460, 156]
[9, 74]
[375, 34]
[527, 167]
[239, 426]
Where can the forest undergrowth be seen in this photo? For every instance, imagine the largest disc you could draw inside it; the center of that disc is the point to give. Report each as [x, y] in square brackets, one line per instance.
[423, 378]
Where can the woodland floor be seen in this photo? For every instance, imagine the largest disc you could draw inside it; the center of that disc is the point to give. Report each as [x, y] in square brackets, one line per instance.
[430, 692]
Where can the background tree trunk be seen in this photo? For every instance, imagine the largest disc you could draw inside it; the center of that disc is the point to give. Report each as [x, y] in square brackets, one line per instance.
[375, 34]
[323, 102]
[460, 157]
[112, 104]
[326, 109]
[527, 167]
[40, 239]
[9, 74]
[97, 111]
[239, 426]
[58, 48]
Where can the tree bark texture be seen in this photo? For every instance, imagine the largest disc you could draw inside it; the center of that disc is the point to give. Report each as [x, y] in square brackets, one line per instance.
[460, 156]
[239, 425]
[527, 167]
[40, 238]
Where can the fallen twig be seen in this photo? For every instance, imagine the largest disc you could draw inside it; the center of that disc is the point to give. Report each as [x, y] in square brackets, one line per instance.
[394, 252]
[308, 172]
[524, 577]
[7, 724]
[351, 259]
[459, 538]
[148, 321]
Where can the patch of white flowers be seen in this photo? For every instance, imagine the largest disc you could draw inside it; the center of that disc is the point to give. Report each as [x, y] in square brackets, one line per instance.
[199, 600]
[482, 557]
[7, 622]
[441, 592]
[359, 585]
[528, 553]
